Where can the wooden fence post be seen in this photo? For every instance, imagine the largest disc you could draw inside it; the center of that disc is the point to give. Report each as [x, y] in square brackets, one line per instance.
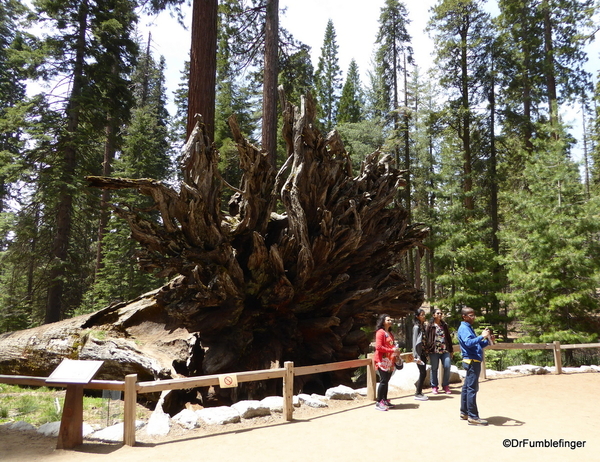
[71, 424]
[557, 358]
[371, 378]
[288, 391]
[130, 400]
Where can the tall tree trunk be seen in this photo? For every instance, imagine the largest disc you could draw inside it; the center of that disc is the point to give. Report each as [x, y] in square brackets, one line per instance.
[549, 69]
[203, 66]
[586, 156]
[110, 146]
[466, 126]
[271, 71]
[60, 247]
[494, 185]
[407, 163]
[146, 77]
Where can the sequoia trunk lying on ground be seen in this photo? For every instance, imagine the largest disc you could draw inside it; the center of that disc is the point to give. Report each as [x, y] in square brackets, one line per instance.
[299, 265]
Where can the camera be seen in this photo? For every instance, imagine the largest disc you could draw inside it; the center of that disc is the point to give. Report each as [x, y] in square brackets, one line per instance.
[491, 337]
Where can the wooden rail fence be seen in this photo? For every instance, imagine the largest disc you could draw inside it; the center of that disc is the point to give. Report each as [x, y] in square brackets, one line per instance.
[131, 387]
[555, 346]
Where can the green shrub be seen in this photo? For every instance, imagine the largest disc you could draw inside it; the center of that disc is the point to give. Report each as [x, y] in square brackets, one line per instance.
[27, 404]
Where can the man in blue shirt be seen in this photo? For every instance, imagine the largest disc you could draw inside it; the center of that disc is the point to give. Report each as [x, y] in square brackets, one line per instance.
[471, 349]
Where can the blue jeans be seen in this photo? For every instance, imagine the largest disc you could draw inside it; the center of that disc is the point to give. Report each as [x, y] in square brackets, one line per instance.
[435, 361]
[468, 395]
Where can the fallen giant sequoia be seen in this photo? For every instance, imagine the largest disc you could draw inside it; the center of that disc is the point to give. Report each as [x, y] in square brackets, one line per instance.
[304, 258]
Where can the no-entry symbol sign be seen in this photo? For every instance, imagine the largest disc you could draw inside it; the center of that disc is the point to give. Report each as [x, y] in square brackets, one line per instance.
[228, 381]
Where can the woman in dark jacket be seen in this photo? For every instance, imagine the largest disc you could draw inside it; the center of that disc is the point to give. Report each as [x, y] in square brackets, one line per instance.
[440, 345]
[420, 351]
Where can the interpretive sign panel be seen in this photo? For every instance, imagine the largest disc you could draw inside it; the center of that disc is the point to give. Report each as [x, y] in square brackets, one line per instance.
[74, 371]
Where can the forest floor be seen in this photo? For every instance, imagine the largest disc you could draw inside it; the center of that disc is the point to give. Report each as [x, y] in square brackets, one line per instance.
[522, 411]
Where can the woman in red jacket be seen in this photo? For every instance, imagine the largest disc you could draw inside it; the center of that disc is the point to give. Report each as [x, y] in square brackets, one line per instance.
[385, 356]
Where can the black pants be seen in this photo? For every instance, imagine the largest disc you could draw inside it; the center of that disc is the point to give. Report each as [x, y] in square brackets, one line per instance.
[422, 375]
[384, 379]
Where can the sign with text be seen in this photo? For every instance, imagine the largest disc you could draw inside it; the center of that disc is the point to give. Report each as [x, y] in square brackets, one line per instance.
[74, 371]
[228, 381]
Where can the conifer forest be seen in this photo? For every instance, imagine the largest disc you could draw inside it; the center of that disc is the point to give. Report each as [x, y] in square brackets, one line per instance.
[467, 170]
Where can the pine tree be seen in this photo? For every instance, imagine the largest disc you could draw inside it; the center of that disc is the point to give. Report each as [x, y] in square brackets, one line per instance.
[328, 79]
[462, 35]
[145, 154]
[13, 46]
[464, 255]
[86, 35]
[352, 100]
[393, 54]
[551, 242]
[297, 74]
[541, 61]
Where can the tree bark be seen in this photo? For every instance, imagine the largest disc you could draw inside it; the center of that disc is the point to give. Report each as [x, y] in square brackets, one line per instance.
[64, 210]
[203, 65]
[271, 72]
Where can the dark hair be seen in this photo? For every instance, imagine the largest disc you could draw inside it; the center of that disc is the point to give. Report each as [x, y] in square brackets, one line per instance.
[418, 312]
[431, 320]
[380, 321]
[465, 309]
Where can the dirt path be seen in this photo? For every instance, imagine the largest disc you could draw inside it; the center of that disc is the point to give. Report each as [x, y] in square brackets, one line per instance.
[536, 408]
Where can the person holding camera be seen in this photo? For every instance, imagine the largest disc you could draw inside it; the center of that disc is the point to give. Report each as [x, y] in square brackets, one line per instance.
[440, 342]
[471, 349]
[386, 354]
[420, 352]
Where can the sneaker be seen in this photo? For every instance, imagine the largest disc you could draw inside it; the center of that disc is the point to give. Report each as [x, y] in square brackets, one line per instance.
[421, 397]
[435, 390]
[464, 416]
[477, 421]
[447, 390]
[380, 406]
[388, 404]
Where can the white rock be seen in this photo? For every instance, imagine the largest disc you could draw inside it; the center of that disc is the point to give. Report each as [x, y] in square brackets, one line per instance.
[251, 408]
[573, 369]
[310, 401]
[218, 415]
[406, 378]
[341, 392]
[114, 433]
[296, 401]
[49, 429]
[274, 403]
[362, 391]
[186, 418]
[527, 369]
[319, 397]
[87, 430]
[21, 426]
[493, 373]
[159, 422]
